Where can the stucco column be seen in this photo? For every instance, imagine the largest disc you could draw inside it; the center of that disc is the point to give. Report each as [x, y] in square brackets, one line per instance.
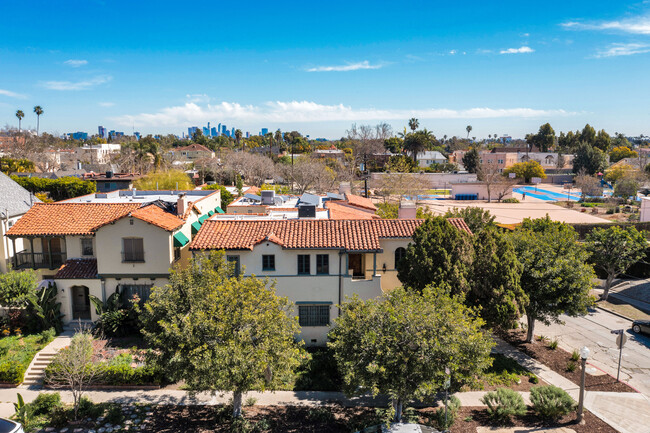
[15, 257]
[347, 264]
[49, 251]
[374, 264]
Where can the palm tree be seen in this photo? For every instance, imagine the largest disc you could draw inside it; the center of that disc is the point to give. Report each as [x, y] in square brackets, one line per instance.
[414, 123]
[238, 135]
[468, 129]
[20, 115]
[38, 110]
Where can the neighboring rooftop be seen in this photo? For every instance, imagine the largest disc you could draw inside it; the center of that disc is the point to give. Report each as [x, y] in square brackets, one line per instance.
[84, 269]
[138, 196]
[14, 199]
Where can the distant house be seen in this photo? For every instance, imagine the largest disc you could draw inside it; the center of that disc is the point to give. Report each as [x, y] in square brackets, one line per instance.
[15, 201]
[428, 157]
[109, 181]
[329, 153]
[190, 153]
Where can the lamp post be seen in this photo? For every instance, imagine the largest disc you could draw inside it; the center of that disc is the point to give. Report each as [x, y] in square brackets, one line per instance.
[584, 354]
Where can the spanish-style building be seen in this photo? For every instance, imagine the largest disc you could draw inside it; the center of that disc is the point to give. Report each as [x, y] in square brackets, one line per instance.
[104, 242]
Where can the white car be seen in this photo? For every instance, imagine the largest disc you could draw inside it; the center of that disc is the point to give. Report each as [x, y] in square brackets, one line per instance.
[7, 426]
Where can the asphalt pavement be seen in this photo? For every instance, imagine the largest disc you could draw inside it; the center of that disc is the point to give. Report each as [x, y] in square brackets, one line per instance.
[594, 331]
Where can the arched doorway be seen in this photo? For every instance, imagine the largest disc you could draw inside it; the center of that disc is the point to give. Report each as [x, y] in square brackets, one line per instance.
[80, 303]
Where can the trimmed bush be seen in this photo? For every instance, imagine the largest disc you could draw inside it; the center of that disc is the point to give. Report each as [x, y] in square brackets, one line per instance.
[551, 402]
[12, 372]
[452, 413]
[510, 200]
[503, 404]
[46, 403]
[553, 345]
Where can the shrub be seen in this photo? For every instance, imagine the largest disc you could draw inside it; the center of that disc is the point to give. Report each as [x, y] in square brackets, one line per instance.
[250, 401]
[12, 372]
[114, 415]
[45, 403]
[47, 336]
[575, 356]
[60, 416]
[510, 200]
[88, 409]
[452, 412]
[571, 366]
[503, 404]
[551, 402]
[553, 344]
[320, 414]
[532, 378]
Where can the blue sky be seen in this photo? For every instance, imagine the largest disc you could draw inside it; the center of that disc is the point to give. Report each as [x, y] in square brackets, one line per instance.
[504, 67]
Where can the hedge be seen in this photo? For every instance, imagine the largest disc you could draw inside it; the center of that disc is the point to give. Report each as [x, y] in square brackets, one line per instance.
[58, 189]
[12, 372]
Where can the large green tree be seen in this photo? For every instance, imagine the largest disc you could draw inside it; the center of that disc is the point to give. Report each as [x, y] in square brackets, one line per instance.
[556, 276]
[399, 345]
[589, 159]
[526, 170]
[544, 140]
[496, 280]
[221, 332]
[614, 250]
[471, 160]
[440, 254]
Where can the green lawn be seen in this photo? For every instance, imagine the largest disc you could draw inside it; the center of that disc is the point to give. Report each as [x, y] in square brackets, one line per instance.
[16, 353]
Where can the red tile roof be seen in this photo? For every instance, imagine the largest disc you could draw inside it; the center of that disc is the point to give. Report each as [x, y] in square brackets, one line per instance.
[194, 147]
[153, 214]
[59, 219]
[350, 235]
[341, 211]
[81, 269]
[460, 224]
[357, 200]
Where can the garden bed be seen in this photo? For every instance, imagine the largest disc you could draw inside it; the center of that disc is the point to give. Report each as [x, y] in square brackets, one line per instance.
[558, 360]
[505, 372]
[330, 419]
[17, 352]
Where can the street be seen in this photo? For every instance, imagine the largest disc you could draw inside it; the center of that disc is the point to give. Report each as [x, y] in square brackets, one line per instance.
[594, 331]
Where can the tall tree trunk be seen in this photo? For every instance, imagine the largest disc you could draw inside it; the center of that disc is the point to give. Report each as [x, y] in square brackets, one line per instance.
[608, 285]
[236, 403]
[397, 406]
[531, 328]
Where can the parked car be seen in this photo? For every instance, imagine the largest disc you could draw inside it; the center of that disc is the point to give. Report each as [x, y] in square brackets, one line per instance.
[641, 326]
[7, 426]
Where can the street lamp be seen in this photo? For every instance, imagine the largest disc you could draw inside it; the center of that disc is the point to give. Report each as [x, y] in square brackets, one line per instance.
[584, 354]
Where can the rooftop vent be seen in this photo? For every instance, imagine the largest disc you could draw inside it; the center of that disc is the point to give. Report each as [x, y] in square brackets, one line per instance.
[307, 211]
[268, 197]
[109, 174]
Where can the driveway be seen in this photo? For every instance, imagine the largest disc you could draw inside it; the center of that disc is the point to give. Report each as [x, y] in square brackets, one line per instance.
[594, 331]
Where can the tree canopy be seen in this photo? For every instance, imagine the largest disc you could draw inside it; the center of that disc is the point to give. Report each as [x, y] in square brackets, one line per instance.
[526, 170]
[614, 250]
[476, 218]
[399, 345]
[221, 332]
[556, 276]
[471, 160]
[588, 159]
[170, 179]
[544, 140]
[621, 152]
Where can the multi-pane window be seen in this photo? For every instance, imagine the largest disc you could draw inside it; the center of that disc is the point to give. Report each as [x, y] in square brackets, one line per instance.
[303, 264]
[399, 255]
[86, 246]
[268, 262]
[322, 264]
[236, 261]
[314, 315]
[132, 250]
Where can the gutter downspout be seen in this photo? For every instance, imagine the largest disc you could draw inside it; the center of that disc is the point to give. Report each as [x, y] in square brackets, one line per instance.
[340, 281]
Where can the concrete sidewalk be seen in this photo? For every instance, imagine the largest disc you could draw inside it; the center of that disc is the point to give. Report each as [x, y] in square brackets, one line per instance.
[627, 412]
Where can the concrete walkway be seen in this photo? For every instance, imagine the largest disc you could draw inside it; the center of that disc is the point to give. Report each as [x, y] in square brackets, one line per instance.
[36, 370]
[627, 412]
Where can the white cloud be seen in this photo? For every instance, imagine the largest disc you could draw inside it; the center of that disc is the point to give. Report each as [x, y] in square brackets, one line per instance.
[106, 104]
[636, 25]
[520, 50]
[452, 52]
[615, 50]
[76, 63]
[12, 94]
[307, 111]
[77, 85]
[197, 97]
[345, 68]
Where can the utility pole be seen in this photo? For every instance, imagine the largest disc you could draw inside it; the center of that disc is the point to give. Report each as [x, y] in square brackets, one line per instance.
[365, 174]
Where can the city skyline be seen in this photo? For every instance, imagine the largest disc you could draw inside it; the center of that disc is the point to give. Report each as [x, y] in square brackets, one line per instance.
[504, 69]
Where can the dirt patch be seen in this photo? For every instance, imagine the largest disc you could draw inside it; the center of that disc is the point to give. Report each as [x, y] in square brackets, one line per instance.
[558, 360]
[332, 419]
[469, 418]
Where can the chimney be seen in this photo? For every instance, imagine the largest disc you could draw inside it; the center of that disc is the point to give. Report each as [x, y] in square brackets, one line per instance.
[133, 191]
[181, 205]
[407, 210]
